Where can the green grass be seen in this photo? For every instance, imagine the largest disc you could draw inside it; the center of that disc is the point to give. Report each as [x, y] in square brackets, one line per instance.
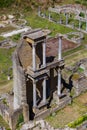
[56, 17]
[70, 113]
[73, 36]
[78, 122]
[2, 38]
[7, 29]
[36, 22]
[73, 50]
[16, 37]
[5, 63]
[3, 123]
[72, 58]
[80, 70]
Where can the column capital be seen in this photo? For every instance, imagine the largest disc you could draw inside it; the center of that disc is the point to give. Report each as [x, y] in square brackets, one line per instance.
[60, 35]
[45, 77]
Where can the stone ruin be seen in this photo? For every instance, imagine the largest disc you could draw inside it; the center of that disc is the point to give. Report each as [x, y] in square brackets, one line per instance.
[38, 83]
[37, 76]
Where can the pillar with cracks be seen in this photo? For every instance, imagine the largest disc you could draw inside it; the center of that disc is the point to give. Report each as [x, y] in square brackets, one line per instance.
[59, 70]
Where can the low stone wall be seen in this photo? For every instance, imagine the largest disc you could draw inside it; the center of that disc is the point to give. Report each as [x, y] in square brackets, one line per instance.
[10, 116]
[42, 125]
[7, 44]
[60, 104]
[13, 119]
[19, 82]
[4, 111]
[74, 39]
[80, 85]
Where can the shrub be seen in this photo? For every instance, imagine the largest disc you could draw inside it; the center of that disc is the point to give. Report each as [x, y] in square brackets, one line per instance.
[20, 120]
[16, 37]
[5, 3]
[77, 122]
[4, 101]
[82, 14]
[77, 2]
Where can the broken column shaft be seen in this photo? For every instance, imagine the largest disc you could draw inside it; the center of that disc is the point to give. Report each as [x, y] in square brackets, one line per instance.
[59, 70]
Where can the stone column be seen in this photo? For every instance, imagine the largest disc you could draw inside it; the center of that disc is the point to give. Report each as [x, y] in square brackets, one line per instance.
[44, 90]
[60, 48]
[26, 112]
[60, 20]
[49, 17]
[66, 19]
[39, 11]
[73, 26]
[34, 57]
[52, 84]
[34, 94]
[44, 54]
[59, 83]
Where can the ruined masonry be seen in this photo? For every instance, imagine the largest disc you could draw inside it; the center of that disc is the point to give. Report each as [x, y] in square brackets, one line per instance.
[37, 75]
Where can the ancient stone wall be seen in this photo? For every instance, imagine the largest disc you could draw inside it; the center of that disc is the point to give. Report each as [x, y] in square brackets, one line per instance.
[4, 111]
[19, 82]
[25, 54]
[13, 119]
[80, 85]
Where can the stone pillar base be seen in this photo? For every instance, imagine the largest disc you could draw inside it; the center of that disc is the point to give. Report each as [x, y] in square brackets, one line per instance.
[35, 110]
[59, 98]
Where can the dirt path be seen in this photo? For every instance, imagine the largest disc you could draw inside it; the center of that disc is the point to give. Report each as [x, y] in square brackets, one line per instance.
[6, 88]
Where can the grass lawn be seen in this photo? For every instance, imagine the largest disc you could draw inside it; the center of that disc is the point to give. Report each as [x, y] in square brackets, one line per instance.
[6, 87]
[74, 57]
[5, 64]
[70, 112]
[7, 29]
[36, 22]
